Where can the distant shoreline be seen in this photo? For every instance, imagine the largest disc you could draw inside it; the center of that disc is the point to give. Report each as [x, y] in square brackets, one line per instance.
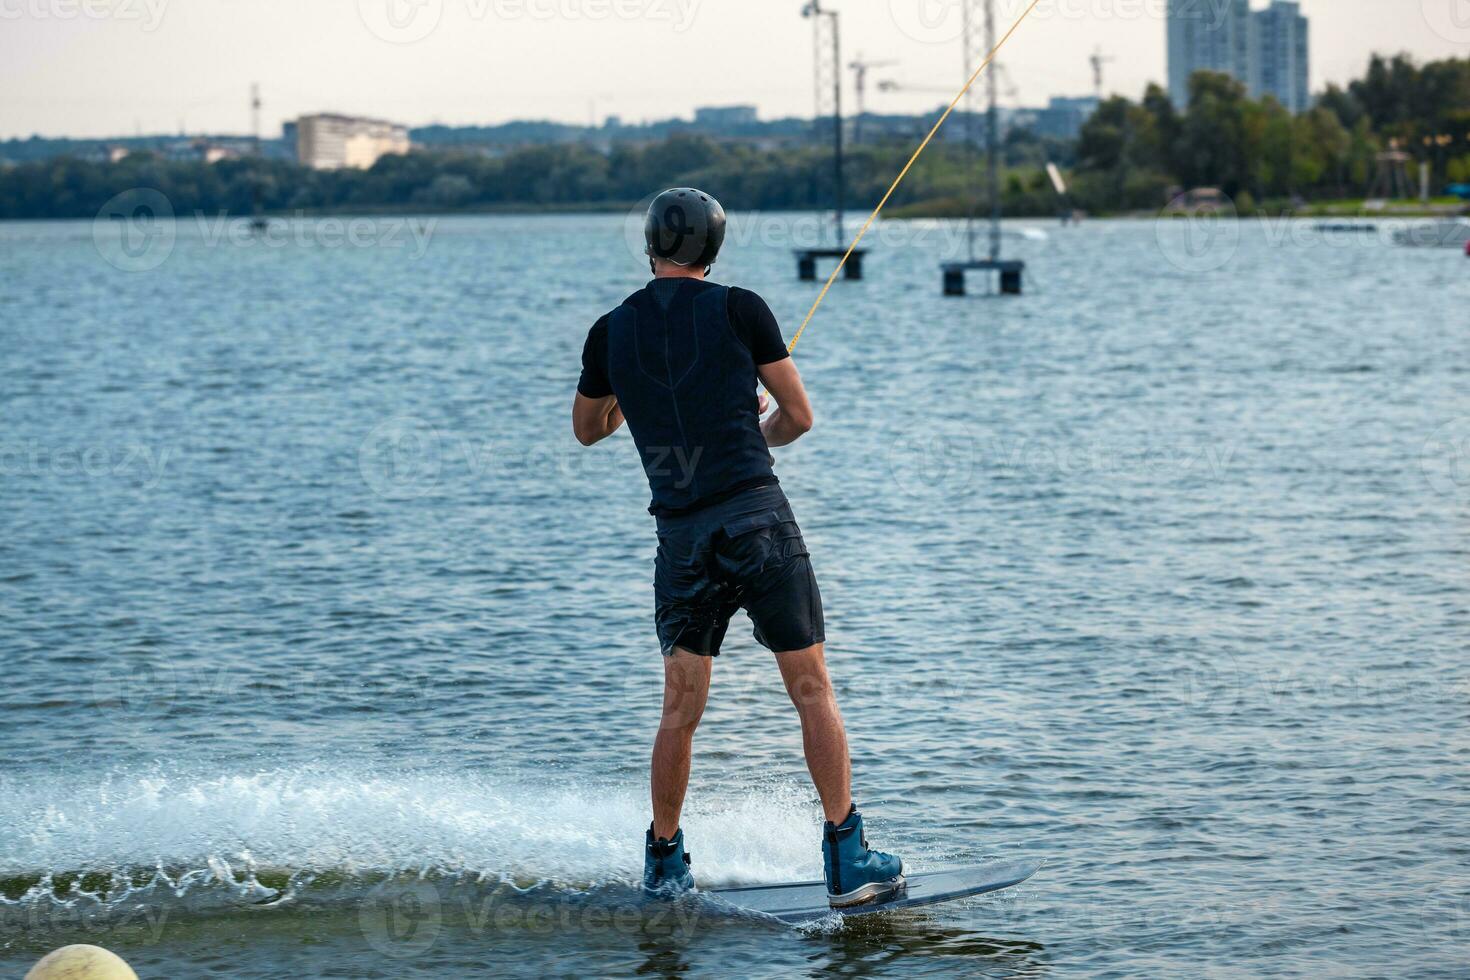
[918, 211]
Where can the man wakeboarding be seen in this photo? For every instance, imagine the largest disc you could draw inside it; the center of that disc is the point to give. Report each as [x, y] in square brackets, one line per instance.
[679, 360]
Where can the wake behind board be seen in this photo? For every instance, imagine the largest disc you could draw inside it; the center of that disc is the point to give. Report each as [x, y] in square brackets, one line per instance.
[806, 901]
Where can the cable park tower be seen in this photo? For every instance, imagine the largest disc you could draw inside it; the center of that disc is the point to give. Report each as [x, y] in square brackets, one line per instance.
[827, 82]
[978, 37]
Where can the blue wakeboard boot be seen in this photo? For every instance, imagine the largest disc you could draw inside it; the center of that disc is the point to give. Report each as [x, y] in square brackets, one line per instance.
[666, 865]
[855, 874]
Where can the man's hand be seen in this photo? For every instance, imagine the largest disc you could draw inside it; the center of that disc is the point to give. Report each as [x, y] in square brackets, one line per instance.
[594, 419]
[793, 415]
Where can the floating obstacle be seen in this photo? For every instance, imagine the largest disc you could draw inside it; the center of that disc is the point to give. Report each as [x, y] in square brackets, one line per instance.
[806, 262]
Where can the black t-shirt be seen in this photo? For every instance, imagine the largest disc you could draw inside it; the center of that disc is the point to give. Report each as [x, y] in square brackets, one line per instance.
[752, 319]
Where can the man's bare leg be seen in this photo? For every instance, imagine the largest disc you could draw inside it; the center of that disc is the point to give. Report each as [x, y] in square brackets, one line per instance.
[822, 734]
[686, 688]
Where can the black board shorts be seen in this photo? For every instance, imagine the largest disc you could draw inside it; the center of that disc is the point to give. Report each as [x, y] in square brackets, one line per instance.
[742, 553]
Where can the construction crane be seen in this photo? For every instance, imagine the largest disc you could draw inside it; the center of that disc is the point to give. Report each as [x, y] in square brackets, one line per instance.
[1013, 93]
[889, 85]
[1098, 60]
[860, 67]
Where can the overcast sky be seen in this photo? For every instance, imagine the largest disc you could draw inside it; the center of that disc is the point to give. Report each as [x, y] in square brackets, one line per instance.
[116, 67]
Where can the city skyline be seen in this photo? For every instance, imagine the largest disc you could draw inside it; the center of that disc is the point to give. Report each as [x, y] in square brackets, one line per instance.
[164, 66]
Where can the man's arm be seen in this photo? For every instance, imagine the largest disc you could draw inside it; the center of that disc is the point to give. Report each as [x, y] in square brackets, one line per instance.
[595, 412]
[793, 415]
[594, 419]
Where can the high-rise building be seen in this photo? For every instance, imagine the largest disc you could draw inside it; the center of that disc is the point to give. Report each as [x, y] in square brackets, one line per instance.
[1281, 34]
[327, 141]
[1266, 50]
[1207, 35]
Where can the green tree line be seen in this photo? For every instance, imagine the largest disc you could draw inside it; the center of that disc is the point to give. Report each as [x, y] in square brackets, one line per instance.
[561, 175]
[1130, 154]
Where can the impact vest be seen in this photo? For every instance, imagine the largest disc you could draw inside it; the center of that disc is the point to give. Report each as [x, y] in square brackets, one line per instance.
[686, 385]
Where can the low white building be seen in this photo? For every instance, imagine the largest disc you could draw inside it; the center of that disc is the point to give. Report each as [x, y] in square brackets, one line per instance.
[328, 141]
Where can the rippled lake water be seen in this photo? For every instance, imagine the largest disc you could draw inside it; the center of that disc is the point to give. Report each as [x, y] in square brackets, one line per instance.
[328, 652]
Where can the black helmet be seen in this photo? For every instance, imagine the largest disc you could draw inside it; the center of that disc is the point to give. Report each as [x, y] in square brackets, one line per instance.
[684, 226]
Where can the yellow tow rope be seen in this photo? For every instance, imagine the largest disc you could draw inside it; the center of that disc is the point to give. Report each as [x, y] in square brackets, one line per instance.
[904, 173]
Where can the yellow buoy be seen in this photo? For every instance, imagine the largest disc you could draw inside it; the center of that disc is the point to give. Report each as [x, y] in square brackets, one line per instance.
[81, 963]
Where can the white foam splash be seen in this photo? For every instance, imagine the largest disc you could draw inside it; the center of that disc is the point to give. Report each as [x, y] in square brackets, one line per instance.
[323, 819]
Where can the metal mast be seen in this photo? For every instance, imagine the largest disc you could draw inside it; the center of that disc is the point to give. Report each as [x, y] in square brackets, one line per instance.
[976, 48]
[257, 204]
[1098, 60]
[827, 52]
[968, 45]
[255, 115]
[992, 135]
